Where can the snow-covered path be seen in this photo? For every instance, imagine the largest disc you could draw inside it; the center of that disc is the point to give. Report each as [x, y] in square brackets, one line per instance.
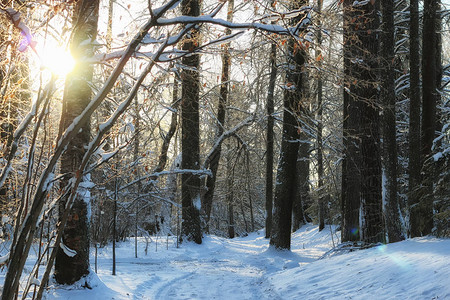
[245, 268]
[217, 269]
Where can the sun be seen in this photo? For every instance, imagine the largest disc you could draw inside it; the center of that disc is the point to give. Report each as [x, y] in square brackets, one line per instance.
[55, 58]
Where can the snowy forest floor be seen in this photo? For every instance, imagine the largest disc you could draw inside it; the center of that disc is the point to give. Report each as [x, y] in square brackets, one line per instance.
[245, 268]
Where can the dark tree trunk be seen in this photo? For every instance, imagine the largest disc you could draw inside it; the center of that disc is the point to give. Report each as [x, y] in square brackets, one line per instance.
[229, 198]
[351, 176]
[373, 230]
[190, 138]
[269, 145]
[362, 149]
[320, 173]
[414, 121]
[77, 94]
[422, 211]
[287, 172]
[223, 99]
[392, 209]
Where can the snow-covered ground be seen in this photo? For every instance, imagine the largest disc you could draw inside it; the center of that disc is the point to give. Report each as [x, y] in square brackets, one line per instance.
[245, 268]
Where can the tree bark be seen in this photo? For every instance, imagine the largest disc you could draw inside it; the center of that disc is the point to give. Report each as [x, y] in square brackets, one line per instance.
[320, 173]
[229, 198]
[269, 136]
[414, 165]
[422, 211]
[190, 140]
[270, 139]
[371, 151]
[361, 42]
[351, 176]
[302, 183]
[287, 172]
[77, 95]
[392, 209]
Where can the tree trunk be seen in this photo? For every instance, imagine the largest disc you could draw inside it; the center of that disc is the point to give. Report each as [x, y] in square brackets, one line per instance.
[287, 172]
[422, 211]
[414, 165]
[302, 183]
[77, 94]
[320, 173]
[190, 140]
[361, 112]
[229, 197]
[223, 99]
[269, 137]
[392, 209]
[351, 176]
[373, 230]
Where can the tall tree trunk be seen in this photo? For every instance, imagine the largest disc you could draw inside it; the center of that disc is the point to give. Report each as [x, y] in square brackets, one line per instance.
[320, 173]
[414, 165]
[221, 110]
[77, 94]
[190, 140]
[351, 176]
[423, 211]
[361, 42]
[371, 194]
[269, 136]
[287, 172]
[392, 210]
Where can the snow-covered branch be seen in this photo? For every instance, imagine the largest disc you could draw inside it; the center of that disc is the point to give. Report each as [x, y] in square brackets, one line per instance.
[248, 121]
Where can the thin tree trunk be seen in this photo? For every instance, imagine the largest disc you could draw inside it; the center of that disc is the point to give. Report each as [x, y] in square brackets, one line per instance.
[77, 95]
[392, 209]
[190, 140]
[320, 172]
[269, 136]
[136, 149]
[229, 198]
[221, 111]
[114, 225]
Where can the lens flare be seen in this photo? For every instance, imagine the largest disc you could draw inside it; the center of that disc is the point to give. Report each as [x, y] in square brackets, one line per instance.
[56, 59]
